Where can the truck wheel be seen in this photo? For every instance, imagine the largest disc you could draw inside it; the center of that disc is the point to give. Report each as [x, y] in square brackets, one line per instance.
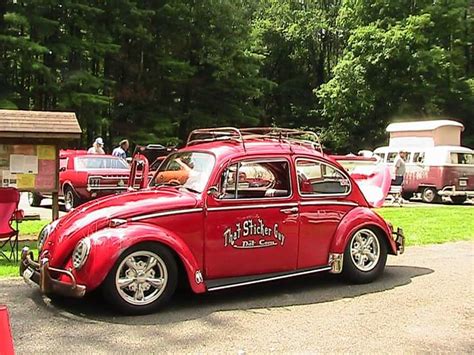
[34, 199]
[365, 257]
[458, 200]
[71, 200]
[430, 195]
[143, 279]
[407, 195]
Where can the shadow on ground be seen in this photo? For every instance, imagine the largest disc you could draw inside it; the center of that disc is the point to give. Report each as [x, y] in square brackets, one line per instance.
[186, 306]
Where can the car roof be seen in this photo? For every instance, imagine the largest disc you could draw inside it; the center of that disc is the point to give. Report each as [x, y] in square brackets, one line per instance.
[225, 150]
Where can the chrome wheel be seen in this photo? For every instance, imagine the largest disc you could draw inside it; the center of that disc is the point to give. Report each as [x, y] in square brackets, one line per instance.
[141, 278]
[365, 250]
[68, 200]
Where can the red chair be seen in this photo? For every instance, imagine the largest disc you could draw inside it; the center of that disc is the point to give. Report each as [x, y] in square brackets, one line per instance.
[9, 213]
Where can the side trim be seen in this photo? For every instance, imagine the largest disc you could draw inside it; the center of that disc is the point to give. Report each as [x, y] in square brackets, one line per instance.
[245, 207]
[331, 202]
[269, 278]
[168, 213]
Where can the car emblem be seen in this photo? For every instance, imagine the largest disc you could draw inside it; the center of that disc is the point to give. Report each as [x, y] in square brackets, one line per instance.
[121, 183]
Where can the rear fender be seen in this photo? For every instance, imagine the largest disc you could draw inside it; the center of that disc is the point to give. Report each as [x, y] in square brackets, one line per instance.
[108, 244]
[358, 218]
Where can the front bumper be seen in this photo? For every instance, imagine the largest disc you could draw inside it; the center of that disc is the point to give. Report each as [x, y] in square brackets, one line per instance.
[399, 238]
[40, 273]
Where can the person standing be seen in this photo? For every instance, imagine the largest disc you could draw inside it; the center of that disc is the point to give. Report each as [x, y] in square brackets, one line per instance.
[399, 164]
[97, 147]
[121, 150]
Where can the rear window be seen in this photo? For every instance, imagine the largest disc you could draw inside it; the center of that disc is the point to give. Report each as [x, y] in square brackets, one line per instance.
[86, 163]
[461, 158]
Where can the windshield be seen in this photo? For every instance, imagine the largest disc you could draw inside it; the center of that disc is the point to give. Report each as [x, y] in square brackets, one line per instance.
[188, 169]
[86, 163]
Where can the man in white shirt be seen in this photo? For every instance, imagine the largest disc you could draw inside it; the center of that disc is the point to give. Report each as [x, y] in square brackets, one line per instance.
[121, 150]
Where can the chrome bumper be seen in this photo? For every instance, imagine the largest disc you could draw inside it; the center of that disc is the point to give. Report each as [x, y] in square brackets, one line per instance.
[399, 238]
[451, 191]
[41, 275]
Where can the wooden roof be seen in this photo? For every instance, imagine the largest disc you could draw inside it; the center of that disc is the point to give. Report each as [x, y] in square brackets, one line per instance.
[39, 124]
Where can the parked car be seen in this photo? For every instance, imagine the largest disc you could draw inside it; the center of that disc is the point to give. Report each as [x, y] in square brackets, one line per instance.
[435, 171]
[215, 228]
[83, 177]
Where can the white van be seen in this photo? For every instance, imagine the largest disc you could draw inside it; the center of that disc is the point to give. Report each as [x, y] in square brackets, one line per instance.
[434, 171]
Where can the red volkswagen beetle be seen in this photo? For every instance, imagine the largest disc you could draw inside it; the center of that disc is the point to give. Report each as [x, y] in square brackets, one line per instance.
[232, 208]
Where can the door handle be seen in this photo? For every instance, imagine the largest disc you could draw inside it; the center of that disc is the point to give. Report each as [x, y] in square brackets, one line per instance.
[291, 210]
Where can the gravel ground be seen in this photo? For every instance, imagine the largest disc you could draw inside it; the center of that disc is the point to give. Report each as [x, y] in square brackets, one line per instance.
[423, 303]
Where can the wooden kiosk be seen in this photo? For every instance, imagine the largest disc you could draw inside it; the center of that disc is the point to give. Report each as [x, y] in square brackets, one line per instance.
[29, 149]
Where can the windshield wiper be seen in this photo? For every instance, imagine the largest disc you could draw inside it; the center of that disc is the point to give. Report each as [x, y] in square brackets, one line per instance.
[190, 189]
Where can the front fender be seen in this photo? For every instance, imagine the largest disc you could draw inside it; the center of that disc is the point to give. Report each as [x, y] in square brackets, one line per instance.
[357, 218]
[108, 244]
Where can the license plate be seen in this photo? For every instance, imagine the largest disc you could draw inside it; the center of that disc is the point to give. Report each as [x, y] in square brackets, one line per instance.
[28, 273]
[462, 183]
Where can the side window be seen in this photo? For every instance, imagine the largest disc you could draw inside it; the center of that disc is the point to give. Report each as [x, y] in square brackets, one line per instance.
[419, 157]
[391, 157]
[63, 164]
[381, 155]
[256, 179]
[316, 178]
[461, 158]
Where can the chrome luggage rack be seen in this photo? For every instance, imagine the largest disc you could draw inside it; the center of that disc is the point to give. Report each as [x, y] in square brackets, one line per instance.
[284, 135]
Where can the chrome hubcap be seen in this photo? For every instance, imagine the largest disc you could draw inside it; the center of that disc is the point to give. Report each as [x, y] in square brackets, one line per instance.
[141, 278]
[365, 250]
[429, 195]
[68, 199]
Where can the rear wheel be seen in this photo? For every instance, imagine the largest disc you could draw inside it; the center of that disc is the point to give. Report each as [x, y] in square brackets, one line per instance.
[407, 195]
[458, 200]
[71, 200]
[34, 199]
[365, 257]
[430, 195]
[143, 279]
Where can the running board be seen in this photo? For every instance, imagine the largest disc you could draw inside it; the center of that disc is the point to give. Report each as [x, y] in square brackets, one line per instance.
[222, 284]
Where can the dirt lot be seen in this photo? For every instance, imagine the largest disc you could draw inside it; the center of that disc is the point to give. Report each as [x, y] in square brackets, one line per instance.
[424, 302]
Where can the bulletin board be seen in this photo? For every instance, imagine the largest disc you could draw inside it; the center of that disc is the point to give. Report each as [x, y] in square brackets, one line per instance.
[29, 167]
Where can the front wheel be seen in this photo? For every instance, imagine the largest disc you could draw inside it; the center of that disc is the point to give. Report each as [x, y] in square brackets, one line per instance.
[365, 257]
[143, 279]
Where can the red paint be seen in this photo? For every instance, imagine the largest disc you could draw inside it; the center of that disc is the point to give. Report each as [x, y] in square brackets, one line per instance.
[218, 237]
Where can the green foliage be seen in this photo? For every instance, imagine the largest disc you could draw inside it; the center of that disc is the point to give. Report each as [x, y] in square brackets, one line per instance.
[153, 70]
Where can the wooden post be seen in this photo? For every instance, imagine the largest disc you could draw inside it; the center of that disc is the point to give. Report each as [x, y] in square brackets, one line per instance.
[55, 206]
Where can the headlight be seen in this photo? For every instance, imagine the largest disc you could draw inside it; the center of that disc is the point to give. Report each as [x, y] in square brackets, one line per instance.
[44, 234]
[81, 252]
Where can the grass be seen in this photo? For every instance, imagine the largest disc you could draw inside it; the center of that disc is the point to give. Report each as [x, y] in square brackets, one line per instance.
[422, 225]
[432, 225]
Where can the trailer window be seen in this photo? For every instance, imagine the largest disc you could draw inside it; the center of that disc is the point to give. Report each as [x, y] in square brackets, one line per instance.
[391, 157]
[381, 155]
[461, 158]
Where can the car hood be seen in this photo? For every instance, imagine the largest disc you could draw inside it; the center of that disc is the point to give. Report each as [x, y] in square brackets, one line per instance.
[96, 215]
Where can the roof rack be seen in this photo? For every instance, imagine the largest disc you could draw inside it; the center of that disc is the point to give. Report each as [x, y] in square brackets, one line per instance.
[288, 135]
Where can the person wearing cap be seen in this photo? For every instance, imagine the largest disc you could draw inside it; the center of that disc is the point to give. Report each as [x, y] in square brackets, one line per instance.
[121, 150]
[97, 147]
[399, 165]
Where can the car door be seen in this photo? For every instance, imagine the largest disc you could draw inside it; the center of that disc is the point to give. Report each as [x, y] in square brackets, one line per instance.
[252, 220]
[323, 189]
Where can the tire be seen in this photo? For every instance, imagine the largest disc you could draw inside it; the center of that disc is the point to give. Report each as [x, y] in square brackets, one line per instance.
[71, 200]
[430, 195]
[140, 296]
[34, 199]
[357, 270]
[458, 200]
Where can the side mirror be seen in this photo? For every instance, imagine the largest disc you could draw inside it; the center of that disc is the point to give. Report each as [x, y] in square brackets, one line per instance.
[213, 191]
[62, 169]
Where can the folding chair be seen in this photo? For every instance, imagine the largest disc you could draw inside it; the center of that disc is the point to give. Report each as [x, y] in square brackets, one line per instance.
[9, 214]
[395, 195]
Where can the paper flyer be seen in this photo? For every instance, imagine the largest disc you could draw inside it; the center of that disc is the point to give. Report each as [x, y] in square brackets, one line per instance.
[25, 181]
[46, 152]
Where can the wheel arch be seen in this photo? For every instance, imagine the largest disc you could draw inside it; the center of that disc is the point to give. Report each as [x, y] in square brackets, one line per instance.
[357, 219]
[109, 244]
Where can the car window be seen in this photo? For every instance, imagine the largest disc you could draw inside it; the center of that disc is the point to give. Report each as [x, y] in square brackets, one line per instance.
[461, 158]
[256, 179]
[86, 163]
[418, 157]
[317, 178]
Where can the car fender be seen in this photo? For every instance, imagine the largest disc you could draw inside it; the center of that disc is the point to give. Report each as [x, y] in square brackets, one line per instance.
[108, 244]
[357, 218]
